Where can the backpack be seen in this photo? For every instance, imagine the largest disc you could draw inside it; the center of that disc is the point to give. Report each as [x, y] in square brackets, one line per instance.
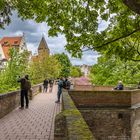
[64, 84]
[68, 84]
[27, 84]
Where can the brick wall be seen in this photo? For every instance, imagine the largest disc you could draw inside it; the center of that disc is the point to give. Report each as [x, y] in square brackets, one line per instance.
[92, 87]
[11, 100]
[108, 124]
[111, 115]
[69, 124]
[135, 124]
[8, 102]
[135, 97]
[35, 90]
[101, 98]
[83, 87]
[96, 88]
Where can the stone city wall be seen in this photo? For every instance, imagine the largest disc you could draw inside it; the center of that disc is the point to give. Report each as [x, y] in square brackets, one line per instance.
[69, 124]
[91, 99]
[135, 97]
[97, 88]
[11, 100]
[108, 124]
[135, 124]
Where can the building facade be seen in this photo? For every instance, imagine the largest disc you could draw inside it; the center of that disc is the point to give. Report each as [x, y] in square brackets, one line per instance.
[6, 43]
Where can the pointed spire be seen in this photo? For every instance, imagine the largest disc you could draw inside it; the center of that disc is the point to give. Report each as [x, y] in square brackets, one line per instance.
[43, 46]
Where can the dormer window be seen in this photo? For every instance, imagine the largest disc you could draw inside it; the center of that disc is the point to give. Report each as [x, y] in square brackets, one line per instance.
[6, 43]
[15, 42]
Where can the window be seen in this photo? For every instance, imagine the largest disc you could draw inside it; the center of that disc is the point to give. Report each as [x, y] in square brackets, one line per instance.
[120, 116]
[6, 43]
[15, 42]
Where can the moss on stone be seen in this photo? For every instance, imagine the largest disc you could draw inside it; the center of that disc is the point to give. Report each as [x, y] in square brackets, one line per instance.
[75, 124]
[71, 112]
[79, 127]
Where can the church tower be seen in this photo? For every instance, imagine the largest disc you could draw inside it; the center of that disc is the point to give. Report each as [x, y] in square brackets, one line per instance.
[43, 48]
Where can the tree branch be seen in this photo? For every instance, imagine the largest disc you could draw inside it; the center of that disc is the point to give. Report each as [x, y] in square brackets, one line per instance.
[114, 40]
[134, 5]
[138, 48]
[124, 36]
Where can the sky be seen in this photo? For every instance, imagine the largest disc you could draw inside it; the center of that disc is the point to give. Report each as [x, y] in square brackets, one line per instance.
[33, 33]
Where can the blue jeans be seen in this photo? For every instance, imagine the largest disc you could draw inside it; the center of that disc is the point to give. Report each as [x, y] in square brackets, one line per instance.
[59, 94]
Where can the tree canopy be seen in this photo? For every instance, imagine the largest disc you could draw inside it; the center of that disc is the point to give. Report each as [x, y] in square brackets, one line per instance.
[65, 63]
[110, 71]
[15, 67]
[79, 21]
[46, 67]
[20, 64]
[75, 71]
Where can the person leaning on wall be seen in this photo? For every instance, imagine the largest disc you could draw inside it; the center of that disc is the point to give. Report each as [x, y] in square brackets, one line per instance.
[119, 86]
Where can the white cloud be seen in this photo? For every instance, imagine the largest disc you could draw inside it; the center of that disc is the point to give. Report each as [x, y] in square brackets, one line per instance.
[88, 58]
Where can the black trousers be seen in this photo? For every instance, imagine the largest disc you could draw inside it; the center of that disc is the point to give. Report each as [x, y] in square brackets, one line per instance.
[24, 94]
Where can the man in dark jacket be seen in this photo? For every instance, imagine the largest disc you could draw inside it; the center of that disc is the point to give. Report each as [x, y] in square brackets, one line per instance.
[45, 85]
[25, 86]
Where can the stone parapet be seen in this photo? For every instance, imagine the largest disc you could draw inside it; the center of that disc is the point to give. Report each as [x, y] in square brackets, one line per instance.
[69, 124]
[35, 90]
[97, 88]
[84, 99]
[9, 101]
[135, 97]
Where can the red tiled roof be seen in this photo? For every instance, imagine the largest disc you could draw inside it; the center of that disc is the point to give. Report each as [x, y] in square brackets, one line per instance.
[9, 42]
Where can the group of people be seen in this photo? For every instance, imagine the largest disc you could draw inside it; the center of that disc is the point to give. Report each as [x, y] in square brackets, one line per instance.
[25, 86]
[48, 83]
[63, 83]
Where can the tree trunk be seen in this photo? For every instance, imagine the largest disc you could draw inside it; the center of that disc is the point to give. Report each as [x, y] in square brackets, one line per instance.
[134, 5]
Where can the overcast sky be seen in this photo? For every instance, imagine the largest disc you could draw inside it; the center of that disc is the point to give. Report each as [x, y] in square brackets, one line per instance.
[33, 33]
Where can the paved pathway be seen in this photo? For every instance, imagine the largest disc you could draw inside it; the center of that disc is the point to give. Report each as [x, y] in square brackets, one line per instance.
[35, 123]
[82, 81]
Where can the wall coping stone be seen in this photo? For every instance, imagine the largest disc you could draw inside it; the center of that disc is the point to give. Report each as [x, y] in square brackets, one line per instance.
[76, 127]
[11, 100]
[3, 95]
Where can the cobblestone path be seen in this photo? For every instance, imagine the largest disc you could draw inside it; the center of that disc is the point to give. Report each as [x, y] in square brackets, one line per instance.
[82, 81]
[34, 123]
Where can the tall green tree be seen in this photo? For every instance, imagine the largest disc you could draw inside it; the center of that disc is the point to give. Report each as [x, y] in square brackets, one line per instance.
[65, 64]
[75, 71]
[15, 67]
[48, 67]
[79, 20]
[110, 71]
